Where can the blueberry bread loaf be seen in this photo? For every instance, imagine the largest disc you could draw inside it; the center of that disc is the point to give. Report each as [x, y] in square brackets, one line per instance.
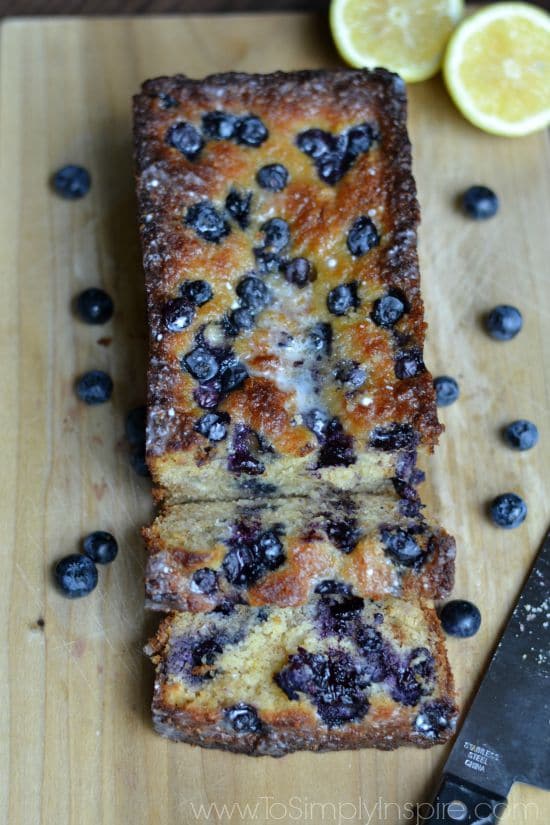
[278, 218]
[336, 673]
[283, 551]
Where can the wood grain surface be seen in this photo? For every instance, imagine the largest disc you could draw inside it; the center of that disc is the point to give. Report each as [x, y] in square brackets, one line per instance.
[75, 734]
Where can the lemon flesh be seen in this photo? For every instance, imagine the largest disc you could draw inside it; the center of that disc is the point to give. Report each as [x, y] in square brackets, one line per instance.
[404, 36]
[497, 69]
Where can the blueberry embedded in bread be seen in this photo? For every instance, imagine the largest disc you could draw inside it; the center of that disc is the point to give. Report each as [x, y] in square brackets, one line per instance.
[268, 681]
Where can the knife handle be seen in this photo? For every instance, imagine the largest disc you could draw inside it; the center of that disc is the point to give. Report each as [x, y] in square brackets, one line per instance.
[462, 803]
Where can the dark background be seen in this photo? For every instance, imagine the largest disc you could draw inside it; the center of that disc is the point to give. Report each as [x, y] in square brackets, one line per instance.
[15, 7]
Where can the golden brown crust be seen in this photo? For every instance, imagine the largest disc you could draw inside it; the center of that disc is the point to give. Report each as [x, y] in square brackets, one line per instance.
[319, 215]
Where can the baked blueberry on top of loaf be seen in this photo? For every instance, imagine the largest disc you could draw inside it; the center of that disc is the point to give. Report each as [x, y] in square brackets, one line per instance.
[278, 218]
[284, 551]
[339, 672]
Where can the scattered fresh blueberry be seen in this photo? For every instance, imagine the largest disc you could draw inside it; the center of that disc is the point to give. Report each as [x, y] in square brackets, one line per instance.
[218, 125]
[197, 292]
[94, 387]
[178, 314]
[521, 434]
[508, 510]
[72, 182]
[186, 138]
[273, 177]
[362, 236]
[238, 205]
[446, 390]
[254, 293]
[250, 131]
[299, 271]
[393, 437]
[201, 364]
[76, 575]
[409, 363]
[479, 202]
[460, 618]
[204, 581]
[95, 306]
[213, 426]
[389, 309]
[243, 718]
[135, 425]
[401, 545]
[207, 222]
[503, 322]
[100, 547]
[343, 298]
[276, 234]
[319, 338]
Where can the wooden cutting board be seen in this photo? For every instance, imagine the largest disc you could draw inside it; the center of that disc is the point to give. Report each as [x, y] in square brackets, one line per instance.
[75, 725]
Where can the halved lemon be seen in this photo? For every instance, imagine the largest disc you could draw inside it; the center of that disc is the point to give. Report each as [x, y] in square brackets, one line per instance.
[497, 69]
[405, 36]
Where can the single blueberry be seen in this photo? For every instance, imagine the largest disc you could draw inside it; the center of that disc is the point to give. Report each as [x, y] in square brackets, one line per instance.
[270, 548]
[409, 363]
[343, 298]
[213, 426]
[208, 395]
[276, 234]
[273, 177]
[95, 306]
[241, 320]
[299, 271]
[100, 547]
[197, 292]
[401, 545]
[72, 182]
[337, 446]
[205, 653]
[94, 387]
[319, 338]
[243, 718]
[314, 142]
[166, 101]
[254, 293]
[331, 166]
[267, 261]
[362, 236]
[241, 458]
[135, 426]
[508, 510]
[218, 125]
[460, 618]
[201, 364]
[389, 309]
[393, 437]
[360, 139]
[238, 205]
[138, 460]
[186, 138]
[446, 390]
[344, 534]
[503, 322]
[204, 581]
[76, 575]
[207, 222]
[233, 373]
[521, 434]
[350, 374]
[250, 131]
[332, 587]
[177, 314]
[479, 202]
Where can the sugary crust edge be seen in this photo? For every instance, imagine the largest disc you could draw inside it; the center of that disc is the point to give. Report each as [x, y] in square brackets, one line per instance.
[292, 735]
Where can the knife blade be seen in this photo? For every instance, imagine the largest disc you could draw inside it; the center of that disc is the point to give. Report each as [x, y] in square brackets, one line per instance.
[505, 737]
